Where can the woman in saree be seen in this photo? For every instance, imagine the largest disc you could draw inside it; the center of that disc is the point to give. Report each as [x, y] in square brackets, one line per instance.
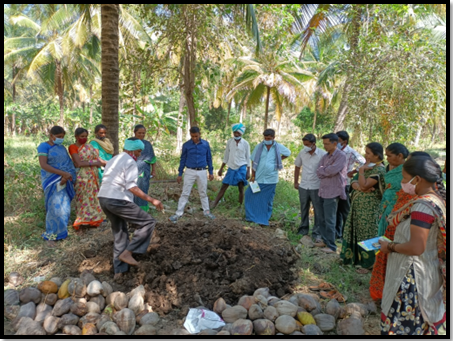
[413, 301]
[146, 166]
[396, 156]
[57, 177]
[85, 157]
[361, 224]
[104, 147]
[379, 269]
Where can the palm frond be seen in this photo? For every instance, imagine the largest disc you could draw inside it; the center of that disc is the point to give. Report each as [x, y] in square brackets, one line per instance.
[24, 21]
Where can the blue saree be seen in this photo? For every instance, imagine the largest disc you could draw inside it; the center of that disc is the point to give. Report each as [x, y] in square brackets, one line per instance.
[58, 203]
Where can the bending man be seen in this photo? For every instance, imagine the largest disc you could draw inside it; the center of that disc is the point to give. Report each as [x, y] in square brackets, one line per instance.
[116, 198]
[237, 157]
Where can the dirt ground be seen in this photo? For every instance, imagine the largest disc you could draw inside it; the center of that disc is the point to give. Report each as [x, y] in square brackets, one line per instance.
[192, 263]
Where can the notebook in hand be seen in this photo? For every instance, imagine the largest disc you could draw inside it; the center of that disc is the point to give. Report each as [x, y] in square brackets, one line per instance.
[255, 187]
[372, 244]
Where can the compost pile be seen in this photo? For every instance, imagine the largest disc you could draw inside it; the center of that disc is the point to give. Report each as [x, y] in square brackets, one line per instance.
[194, 263]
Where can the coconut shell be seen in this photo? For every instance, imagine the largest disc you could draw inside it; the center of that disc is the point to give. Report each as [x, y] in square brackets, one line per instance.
[262, 291]
[106, 289]
[94, 288]
[72, 330]
[232, 314]
[62, 307]
[79, 309]
[219, 305]
[255, 312]
[42, 311]
[305, 318]
[264, 327]
[271, 313]
[147, 329]
[50, 299]
[67, 320]
[121, 301]
[92, 318]
[103, 319]
[246, 301]
[77, 288]
[285, 324]
[63, 292]
[307, 302]
[261, 301]
[138, 290]
[223, 333]
[48, 287]
[27, 326]
[11, 297]
[150, 318]
[15, 279]
[110, 328]
[325, 322]
[125, 319]
[87, 277]
[333, 308]
[136, 303]
[89, 329]
[93, 307]
[99, 300]
[11, 311]
[272, 300]
[242, 327]
[51, 324]
[30, 295]
[286, 308]
[57, 280]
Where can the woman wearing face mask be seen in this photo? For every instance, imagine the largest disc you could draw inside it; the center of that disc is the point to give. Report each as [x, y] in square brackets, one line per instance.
[361, 224]
[85, 157]
[57, 177]
[379, 269]
[416, 268]
[103, 146]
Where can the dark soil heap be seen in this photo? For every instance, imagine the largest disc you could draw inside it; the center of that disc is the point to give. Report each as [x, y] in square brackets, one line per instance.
[194, 263]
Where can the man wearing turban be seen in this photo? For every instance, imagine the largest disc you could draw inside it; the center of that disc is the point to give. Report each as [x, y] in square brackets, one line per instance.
[237, 157]
[116, 197]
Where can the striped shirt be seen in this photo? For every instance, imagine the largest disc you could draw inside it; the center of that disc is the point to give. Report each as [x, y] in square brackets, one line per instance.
[332, 172]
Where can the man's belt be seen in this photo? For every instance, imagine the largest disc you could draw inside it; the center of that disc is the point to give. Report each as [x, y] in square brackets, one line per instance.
[198, 169]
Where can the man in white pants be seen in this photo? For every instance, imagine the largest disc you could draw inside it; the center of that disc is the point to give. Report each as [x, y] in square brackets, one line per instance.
[195, 156]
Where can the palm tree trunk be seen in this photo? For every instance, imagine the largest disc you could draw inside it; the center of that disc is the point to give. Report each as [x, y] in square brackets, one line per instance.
[314, 121]
[190, 56]
[353, 42]
[182, 103]
[91, 104]
[13, 115]
[60, 90]
[266, 115]
[110, 70]
[228, 115]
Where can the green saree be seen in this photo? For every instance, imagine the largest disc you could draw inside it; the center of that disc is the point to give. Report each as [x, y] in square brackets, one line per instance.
[361, 223]
[392, 186]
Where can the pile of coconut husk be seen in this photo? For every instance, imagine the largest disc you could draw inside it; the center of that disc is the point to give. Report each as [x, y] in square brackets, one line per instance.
[86, 306]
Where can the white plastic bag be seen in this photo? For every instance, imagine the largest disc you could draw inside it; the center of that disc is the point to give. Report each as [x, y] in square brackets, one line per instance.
[201, 319]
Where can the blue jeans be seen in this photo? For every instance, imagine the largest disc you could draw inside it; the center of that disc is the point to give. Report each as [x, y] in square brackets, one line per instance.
[305, 197]
[330, 220]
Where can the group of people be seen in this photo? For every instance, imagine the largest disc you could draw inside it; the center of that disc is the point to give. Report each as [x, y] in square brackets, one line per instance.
[354, 198]
[357, 198]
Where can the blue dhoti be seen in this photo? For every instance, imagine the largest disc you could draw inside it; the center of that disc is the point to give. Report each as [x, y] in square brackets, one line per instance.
[258, 206]
[234, 176]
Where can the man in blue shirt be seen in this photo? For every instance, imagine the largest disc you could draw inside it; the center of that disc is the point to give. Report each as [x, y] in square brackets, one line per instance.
[267, 161]
[195, 156]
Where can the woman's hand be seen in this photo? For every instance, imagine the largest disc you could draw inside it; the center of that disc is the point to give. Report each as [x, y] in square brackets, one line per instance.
[67, 176]
[219, 173]
[384, 246]
[153, 173]
[366, 166]
[63, 181]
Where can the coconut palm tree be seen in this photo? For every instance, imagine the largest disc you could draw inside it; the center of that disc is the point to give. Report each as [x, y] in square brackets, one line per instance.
[270, 76]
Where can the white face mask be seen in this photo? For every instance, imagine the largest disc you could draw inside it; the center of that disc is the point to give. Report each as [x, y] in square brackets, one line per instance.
[308, 149]
[339, 145]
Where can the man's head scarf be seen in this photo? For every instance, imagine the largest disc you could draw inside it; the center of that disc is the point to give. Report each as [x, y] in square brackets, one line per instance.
[132, 145]
[238, 127]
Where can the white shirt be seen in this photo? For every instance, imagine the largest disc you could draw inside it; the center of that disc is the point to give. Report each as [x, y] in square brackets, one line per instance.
[352, 157]
[309, 163]
[237, 154]
[120, 175]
